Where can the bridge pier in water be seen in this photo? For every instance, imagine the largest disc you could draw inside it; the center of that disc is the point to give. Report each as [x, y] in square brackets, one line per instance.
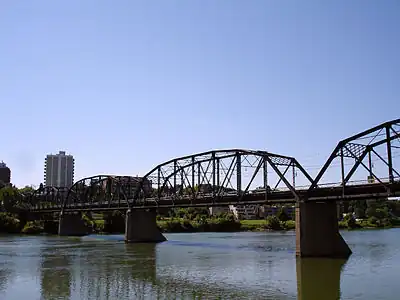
[317, 231]
[141, 227]
[72, 225]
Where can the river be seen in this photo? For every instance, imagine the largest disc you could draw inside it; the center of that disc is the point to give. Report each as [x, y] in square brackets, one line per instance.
[245, 265]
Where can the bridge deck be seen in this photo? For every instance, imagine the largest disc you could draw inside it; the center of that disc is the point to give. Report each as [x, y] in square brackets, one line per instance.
[356, 192]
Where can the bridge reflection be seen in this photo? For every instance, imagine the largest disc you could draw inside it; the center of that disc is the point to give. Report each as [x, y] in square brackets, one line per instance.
[318, 278]
[55, 277]
[84, 271]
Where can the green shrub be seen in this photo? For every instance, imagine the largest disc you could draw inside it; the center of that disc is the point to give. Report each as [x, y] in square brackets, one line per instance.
[395, 221]
[342, 224]
[98, 225]
[373, 221]
[350, 222]
[173, 225]
[9, 223]
[272, 222]
[282, 215]
[288, 225]
[32, 227]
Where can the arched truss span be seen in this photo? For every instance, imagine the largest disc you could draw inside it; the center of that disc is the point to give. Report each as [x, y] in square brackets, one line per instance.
[101, 191]
[372, 156]
[213, 175]
[47, 197]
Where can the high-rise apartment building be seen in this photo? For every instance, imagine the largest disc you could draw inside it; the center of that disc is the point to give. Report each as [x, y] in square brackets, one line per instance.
[59, 170]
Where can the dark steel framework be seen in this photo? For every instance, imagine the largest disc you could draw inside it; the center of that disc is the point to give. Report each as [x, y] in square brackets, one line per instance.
[375, 144]
[101, 191]
[233, 176]
[47, 197]
[210, 175]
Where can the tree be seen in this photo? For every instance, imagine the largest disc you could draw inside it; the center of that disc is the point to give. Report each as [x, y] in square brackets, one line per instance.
[8, 198]
[350, 221]
[272, 222]
[26, 190]
[359, 207]
[282, 215]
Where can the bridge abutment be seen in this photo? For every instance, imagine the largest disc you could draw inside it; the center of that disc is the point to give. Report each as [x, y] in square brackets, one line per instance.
[141, 227]
[72, 225]
[317, 231]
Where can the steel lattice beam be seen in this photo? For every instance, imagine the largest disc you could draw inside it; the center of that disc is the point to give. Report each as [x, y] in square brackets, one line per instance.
[215, 174]
[361, 147]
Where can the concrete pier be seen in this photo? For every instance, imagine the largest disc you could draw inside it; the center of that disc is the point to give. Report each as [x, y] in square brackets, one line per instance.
[141, 227]
[72, 225]
[317, 231]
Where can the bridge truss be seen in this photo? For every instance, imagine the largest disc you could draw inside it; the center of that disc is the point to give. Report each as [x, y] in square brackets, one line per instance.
[46, 197]
[204, 178]
[369, 157]
[237, 176]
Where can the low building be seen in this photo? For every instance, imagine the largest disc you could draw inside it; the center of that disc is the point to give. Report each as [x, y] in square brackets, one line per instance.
[270, 210]
[218, 210]
[245, 212]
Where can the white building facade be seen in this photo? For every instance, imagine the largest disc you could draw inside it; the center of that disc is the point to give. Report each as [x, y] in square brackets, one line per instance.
[59, 170]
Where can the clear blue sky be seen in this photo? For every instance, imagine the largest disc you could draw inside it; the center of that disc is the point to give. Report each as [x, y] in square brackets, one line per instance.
[125, 85]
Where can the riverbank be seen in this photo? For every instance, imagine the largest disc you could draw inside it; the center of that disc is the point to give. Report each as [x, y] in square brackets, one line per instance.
[10, 223]
[217, 225]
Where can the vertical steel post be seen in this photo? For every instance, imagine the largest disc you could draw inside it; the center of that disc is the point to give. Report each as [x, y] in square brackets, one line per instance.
[389, 154]
[175, 165]
[159, 183]
[342, 169]
[198, 174]
[238, 173]
[370, 164]
[218, 183]
[294, 174]
[265, 167]
[193, 171]
[213, 173]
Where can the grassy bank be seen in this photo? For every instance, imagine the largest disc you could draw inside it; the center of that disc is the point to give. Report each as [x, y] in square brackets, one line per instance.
[222, 225]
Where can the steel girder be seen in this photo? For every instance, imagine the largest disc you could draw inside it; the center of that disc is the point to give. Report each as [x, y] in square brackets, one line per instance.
[216, 174]
[375, 144]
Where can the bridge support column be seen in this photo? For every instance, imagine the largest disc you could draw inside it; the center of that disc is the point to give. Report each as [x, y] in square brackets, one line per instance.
[141, 227]
[72, 225]
[317, 231]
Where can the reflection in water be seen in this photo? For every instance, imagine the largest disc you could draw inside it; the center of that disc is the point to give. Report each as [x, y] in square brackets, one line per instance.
[131, 272]
[6, 275]
[55, 277]
[121, 273]
[318, 278]
[196, 266]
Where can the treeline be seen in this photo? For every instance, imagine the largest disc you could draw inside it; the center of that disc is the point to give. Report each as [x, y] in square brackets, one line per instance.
[199, 220]
[370, 214]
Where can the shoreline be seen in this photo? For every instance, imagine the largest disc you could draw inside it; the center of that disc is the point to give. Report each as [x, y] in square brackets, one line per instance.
[237, 231]
[36, 231]
[184, 223]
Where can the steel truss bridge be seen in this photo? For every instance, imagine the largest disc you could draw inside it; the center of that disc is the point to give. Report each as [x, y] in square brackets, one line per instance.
[241, 177]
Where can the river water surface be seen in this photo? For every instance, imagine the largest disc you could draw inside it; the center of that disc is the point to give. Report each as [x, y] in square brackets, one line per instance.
[242, 265]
